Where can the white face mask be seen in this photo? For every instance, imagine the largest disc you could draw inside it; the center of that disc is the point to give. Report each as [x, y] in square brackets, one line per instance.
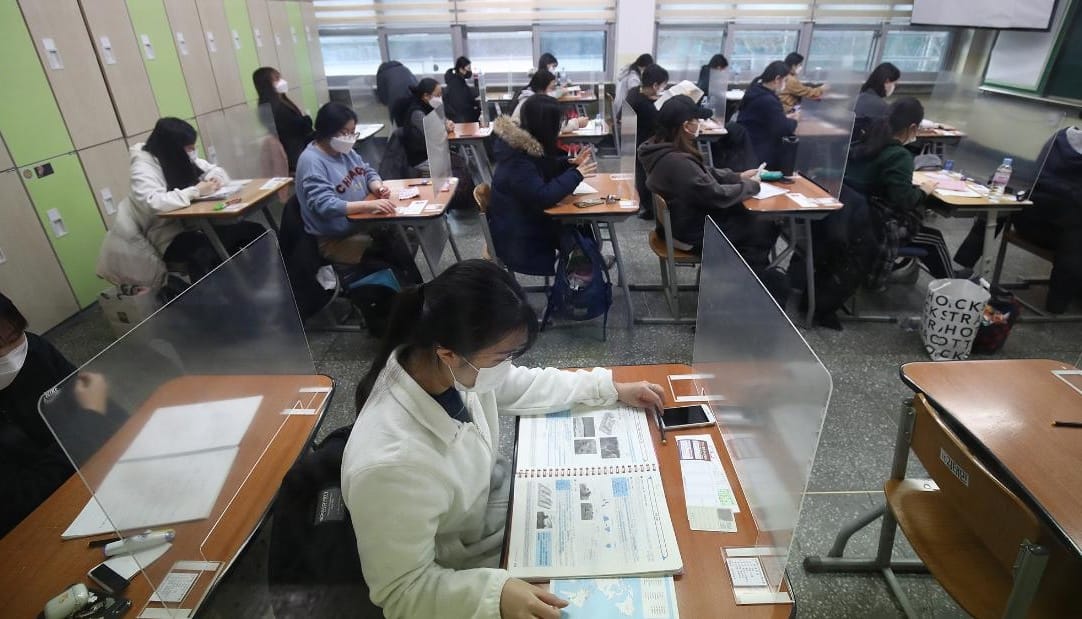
[12, 363]
[435, 101]
[488, 379]
[889, 89]
[343, 143]
[193, 155]
[281, 86]
[697, 132]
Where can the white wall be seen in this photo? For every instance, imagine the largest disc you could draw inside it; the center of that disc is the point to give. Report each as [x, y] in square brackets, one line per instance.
[634, 30]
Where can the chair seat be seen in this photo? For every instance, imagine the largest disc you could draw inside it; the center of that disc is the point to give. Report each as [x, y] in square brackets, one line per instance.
[681, 257]
[1016, 239]
[957, 557]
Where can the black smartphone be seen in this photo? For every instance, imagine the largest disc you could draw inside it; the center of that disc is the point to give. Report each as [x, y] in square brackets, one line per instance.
[108, 579]
[692, 416]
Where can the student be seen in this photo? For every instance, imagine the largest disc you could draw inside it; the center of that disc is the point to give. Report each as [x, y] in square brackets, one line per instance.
[1054, 221]
[425, 491]
[547, 62]
[167, 174]
[718, 62]
[676, 171]
[762, 114]
[460, 100]
[544, 82]
[532, 174]
[409, 113]
[871, 103]
[794, 90]
[32, 462]
[333, 181]
[881, 168]
[294, 127]
[629, 78]
[641, 99]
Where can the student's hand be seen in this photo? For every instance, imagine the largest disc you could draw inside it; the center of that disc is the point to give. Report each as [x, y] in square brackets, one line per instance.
[521, 600]
[450, 126]
[209, 186]
[582, 122]
[92, 392]
[754, 175]
[928, 187]
[642, 394]
[379, 189]
[793, 116]
[586, 164]
[377, 207]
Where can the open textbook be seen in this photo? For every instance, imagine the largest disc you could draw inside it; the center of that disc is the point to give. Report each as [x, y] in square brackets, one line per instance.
[588, 498]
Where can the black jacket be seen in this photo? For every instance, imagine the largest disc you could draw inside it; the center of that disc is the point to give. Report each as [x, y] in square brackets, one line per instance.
[409, 114]
[762, 115]
[460, 99]
[393, 81]
[1060, 183]
[32, 463]
[294, 128]
[645, 115]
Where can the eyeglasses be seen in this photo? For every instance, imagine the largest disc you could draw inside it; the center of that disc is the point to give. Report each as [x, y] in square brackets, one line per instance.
[356, 135]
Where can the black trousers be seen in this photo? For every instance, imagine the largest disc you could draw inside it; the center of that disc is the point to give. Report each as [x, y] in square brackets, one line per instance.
[193, 252]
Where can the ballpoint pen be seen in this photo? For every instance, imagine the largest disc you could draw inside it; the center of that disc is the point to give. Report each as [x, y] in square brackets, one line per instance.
[660, 426]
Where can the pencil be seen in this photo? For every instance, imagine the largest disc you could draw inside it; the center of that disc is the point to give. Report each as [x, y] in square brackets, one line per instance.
[660, 426]
[1055, 424]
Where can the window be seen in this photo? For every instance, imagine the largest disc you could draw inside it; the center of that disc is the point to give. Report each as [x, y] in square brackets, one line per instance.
[350, 54]
[577, 50]
[754, 49]
[848, 50]
[497, 52]
[680, 49]
[917, 51]
[424, 53]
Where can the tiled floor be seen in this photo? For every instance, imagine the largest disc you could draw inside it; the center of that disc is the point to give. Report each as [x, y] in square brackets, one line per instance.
[854, 451]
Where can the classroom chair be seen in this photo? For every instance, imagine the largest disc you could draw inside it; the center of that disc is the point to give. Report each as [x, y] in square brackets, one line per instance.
[972, 533]
[481, 195]
[669, 258]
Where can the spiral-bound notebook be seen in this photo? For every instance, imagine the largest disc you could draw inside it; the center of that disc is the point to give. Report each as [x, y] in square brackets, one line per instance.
[588, 499]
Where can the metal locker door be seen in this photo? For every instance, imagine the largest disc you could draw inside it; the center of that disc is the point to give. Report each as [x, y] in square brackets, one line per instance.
[220, 45]
[161, 57]
[283, 41]
[107, 169]
[236, 11]
[300, 42]
[263, 33]
[188, 36]
[311, 32]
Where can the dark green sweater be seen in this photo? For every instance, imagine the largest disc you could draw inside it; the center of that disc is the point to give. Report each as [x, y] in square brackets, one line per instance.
[888, 176]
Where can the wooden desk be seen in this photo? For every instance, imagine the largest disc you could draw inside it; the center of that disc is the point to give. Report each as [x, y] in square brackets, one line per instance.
[583, 96]
[817, 128]
[38, 564]
[1006, 409]
[206, 212]
[590, 135]
[704, 589]
[469, 132]
[940, 135]
[368, 131]
[608, 215]
[433, 215]
[798, 217]
[470, 137]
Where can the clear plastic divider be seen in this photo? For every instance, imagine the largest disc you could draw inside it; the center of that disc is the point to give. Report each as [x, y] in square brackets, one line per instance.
[168, 426]
[825, 132]
[775, 394]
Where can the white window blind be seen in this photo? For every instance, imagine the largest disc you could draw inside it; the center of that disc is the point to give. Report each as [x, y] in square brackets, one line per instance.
[375, 13]
[825, 11]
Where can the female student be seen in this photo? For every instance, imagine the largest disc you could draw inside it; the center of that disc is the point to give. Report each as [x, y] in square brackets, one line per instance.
[167, 174]
[532, 174]
[544, 83]
[718, 63]
[409, 114]
[422, 450]
[547, 62]
[32, 462]
[676, 171]
[794, 90]
[642, 99]
[629, 78]
[461, 102]
[881, 168]
[333, 181]
[762, 114]
[294, 127]
[871, 102]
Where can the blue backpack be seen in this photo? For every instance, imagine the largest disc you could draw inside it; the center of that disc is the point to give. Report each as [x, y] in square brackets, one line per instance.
[582, 289]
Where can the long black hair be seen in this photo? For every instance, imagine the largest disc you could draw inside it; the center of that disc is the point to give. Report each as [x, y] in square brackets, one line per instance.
[901, 114]
[545, 60]
[468, 307]
[401, 109]
[168, 143]
[654, 74]
[772, 72]
[10, 314]
[793, 60]
[643, 61]
[263, 79]
[542, 118]
[540, 81]
[331, 118]
[877, 81]
[461, 63]
[718, 61]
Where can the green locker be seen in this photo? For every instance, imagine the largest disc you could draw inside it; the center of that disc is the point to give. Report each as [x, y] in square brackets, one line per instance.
[160, 57]
[311, 100]
[30, 119]
[236, 11]
[300, 44]
[68, 212]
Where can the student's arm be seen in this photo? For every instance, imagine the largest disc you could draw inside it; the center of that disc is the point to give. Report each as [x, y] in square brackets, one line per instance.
[28, 474]
[211, 171]
[795, 87]
[530, 188]
[148, 187]
[396, 510]
[897, 182]
[320, 195]
[532, 391]
[703, 190]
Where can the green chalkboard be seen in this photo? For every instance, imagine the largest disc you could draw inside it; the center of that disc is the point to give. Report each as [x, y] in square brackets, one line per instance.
[1065, 77]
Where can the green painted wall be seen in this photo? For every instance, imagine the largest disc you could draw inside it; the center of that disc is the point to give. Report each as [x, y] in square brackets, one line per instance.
[311, 101]
[300, 49]
[29, 116]
[236, 11]
[166, 77]
[68, 191]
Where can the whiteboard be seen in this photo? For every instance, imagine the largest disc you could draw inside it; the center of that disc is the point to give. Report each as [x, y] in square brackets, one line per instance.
[1018, 59]
[1028, 14]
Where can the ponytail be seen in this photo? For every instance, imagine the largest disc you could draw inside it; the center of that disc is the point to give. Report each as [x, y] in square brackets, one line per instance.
[772, 72]
[405, 312]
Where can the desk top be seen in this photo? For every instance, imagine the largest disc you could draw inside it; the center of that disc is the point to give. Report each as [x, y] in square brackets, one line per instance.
[620, 185]
[782, 204]
[981, 202]
[592, 132]
[1007, 407]
[938, 131]
[469, 131]
[704, 589]
[817, 128]
[251, 197]
[367, 131]
[437, 200]
[38, 564]
[583, 96]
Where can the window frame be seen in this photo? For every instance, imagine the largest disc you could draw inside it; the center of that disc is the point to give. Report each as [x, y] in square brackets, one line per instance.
[692, 74]
[493, 78]
[918, 77]
[607, 54]
[356, 31]
[874, 51]
[737, 27]
[385, 47]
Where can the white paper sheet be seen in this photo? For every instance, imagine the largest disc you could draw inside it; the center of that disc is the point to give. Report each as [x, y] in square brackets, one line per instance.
[226, 190]
[766, 190]
[591, 437]
[708, 494]
[746, 571]
[194, 427]
[413, 208]
[273, 182]
[583, 189]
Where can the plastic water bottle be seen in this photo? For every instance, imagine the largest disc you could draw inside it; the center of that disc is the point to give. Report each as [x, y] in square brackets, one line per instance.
[1001, 178]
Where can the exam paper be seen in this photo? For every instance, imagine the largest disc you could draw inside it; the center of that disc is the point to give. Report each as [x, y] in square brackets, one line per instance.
[766, 190]
[194, 427]
[226, 190]
[414, 208]
[708, 494]
[583, 189]
[617, 598]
